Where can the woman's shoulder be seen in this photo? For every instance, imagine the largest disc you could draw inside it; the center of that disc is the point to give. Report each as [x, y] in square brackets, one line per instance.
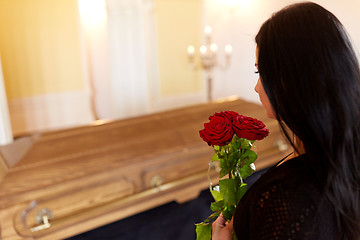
[282, 201]
[292, 182]
[295, 173]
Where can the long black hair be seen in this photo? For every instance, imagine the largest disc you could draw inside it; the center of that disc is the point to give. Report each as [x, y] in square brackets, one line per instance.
[311, 75]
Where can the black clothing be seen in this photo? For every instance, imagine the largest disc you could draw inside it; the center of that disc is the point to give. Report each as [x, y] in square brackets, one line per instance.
[285, 203]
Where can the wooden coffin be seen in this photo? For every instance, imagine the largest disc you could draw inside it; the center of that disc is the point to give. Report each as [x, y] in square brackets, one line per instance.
[61, 183]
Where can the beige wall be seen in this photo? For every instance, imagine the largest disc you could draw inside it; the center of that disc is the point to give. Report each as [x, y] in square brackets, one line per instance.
[42, 60]
[178, 24]
[40, 47]
[45, 68]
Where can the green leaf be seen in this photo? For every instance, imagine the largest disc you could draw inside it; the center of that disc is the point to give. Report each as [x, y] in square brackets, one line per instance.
[227, 215]
[233, 158]
[237, 144]
[241, 191]
[228, 190]
[216, 148]
[212, 216]
[203, 231]
[223, 150]
[217, 206]
[223, 163]
[245, 171]
[238, 181]
[228, 212]
[216, 194]
[224, 171]
[250, 156]
[215, 157]
[246, 144]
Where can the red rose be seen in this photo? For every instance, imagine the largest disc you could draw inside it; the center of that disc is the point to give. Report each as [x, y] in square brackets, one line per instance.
[218, 131]
[249, 128]
[228, 114]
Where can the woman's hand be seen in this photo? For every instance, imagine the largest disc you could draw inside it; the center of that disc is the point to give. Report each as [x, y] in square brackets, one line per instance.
[222, 229]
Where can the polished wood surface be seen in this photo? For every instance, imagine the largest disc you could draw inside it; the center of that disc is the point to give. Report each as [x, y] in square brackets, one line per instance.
[93, 175]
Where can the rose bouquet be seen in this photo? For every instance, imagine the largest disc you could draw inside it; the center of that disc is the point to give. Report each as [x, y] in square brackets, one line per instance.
[232, 136]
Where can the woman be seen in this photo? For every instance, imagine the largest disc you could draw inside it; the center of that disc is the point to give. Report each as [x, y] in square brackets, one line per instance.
[310, 82]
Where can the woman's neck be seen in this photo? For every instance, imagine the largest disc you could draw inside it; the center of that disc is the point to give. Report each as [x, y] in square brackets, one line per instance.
[299, 150]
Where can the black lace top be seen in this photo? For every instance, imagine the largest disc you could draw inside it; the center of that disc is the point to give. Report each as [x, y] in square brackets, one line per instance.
[285, 203]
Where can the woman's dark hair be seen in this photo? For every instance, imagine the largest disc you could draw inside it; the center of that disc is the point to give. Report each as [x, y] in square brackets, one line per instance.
[311, 75]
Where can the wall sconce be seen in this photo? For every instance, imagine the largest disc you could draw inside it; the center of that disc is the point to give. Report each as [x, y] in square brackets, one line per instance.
[208, 58]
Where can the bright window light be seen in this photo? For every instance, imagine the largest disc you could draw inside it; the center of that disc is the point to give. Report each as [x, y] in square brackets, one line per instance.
[235, 3]
[92, 11]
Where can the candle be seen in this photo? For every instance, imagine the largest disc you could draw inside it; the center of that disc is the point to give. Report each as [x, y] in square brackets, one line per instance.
[208, 30]
[213, 47]
[191, 51]
[228, 49]
[203, 50]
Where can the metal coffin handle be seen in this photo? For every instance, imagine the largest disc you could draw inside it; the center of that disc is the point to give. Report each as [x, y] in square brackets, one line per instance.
[42, 218]
[56, 212]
